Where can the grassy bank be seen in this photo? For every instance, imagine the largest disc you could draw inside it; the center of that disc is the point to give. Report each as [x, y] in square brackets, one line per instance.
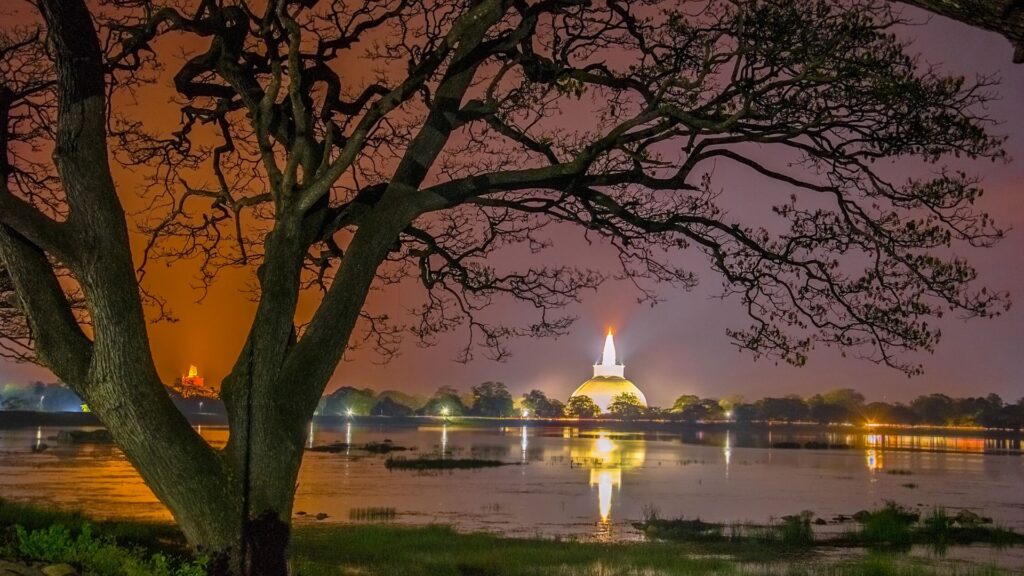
[143, 549]
[892, 526]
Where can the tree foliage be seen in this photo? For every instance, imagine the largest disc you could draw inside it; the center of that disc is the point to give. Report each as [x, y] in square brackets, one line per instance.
[626, 406]
[491, 399]
[539, 405]
[581, 407]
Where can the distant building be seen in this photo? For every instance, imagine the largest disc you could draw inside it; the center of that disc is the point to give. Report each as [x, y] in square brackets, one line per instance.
[609, 379]
[192, 385]
[193, 379]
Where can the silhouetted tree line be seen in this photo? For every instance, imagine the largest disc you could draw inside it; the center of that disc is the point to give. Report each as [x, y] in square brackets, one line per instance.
[840, 406]
[849, 406]
[44, 397]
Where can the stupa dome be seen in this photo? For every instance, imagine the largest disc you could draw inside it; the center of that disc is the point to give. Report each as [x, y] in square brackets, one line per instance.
[609, 380]
[603, 389]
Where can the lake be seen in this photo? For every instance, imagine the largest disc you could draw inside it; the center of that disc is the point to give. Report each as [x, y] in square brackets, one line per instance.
[569, 481]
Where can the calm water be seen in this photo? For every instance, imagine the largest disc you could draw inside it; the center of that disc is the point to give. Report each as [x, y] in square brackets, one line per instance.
[568, 482]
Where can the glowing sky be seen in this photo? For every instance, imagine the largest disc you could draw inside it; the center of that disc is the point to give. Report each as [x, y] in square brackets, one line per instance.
[679, 346]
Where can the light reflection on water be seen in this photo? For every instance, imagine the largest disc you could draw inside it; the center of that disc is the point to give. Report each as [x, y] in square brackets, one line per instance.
[572, 482]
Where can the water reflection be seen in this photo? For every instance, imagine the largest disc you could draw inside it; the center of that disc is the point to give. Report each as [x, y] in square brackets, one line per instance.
[874, 460]
[605, 480]
[606, 456]
[565, 469]
[942, 443]
[727, 451]
[524, 444]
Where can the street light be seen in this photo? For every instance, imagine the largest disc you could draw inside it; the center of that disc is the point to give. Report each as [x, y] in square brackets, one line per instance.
[444, 411]
[526, 412]
[348, 412]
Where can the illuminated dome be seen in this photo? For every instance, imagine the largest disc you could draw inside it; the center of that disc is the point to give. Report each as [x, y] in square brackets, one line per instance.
[609, 380]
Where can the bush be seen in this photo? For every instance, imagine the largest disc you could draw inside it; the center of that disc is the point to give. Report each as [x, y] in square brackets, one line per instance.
[891, 525]
[96, 555]
[796, 530]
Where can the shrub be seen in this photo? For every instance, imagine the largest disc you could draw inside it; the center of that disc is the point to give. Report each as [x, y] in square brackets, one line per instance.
[97, 555]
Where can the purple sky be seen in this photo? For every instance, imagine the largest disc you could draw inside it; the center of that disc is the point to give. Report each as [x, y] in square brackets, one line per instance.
[680, 346]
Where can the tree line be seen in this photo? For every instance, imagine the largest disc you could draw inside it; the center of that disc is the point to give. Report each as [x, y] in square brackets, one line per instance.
[840, 406]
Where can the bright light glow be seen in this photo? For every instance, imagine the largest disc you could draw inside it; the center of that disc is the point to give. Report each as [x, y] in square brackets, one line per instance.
[526, 413]
[444, 411]
[608, 355]
[604, 446]
[874, 460]
[606, 480]
[349, 412]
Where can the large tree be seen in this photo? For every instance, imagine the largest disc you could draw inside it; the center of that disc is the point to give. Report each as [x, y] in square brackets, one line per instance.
[338, 146]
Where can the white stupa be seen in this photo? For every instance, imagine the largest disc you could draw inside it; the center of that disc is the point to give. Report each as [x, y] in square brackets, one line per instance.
[609, 379]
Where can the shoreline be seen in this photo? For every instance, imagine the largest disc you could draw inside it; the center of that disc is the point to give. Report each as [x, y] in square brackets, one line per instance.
[30, 418]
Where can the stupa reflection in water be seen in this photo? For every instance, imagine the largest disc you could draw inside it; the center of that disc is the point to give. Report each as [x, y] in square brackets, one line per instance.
[606, 457]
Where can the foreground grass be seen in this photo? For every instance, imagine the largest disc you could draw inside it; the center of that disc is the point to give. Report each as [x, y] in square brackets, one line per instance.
[126, 548]
[384, 550]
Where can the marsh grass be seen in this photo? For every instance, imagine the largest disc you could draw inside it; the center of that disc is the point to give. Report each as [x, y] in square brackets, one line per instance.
[372, 514]
[442, 463]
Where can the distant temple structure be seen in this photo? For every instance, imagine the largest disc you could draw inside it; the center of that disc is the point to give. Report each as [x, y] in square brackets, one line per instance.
[193, 379]
[609, 379]
[192, 385]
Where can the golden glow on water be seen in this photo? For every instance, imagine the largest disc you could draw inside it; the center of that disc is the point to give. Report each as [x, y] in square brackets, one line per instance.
[941, 443]
[606, 458]
[727, 451]
[606, 480]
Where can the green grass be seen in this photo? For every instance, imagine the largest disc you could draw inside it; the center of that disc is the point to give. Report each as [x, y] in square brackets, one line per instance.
[158, 536]
[122, 548]
[385, 550]
[127, 548]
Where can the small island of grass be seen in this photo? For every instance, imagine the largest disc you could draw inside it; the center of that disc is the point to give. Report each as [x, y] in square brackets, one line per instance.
[442, 463]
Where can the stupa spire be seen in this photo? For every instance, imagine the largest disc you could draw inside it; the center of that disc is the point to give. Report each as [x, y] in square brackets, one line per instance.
[609, 366]
[608, 358]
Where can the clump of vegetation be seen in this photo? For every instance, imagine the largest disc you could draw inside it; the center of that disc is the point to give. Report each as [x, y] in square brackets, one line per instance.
[94, 553]
[333, 448]
[682, 529]
[385, 447]
[899, 472]
[442, 463]
[896, 526]
[891, 525]
[796, 530]
[372, 514]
